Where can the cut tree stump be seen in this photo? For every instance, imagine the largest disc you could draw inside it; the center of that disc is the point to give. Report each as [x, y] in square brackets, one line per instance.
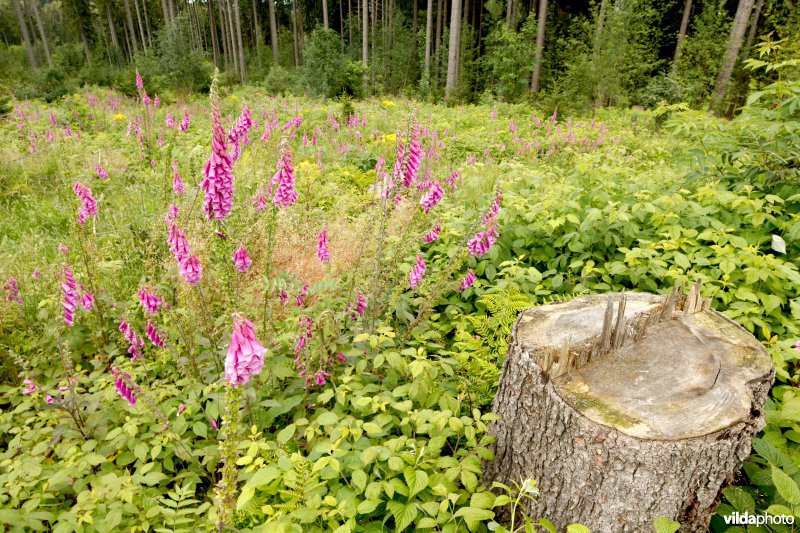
[628, 407]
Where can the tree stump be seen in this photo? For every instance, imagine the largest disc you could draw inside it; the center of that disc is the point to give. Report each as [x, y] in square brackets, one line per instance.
[628, 412]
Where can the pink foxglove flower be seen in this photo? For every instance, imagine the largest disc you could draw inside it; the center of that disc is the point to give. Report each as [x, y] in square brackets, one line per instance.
[414, 158]
[49, 399]
[482, 241]
[432, 235]
[177, 243]
[136, 343]
[241, 260]
[797, 346]
[245, 356]
[172, 214]
[87, 301]
[30, 386]
[360, 305]
[432, 197]
[300, 299]
[152, 334]
[491, 216]
[218, 174]
[139, 82]
[70, 290]
[191, 270]
[285, 193]
[184, 122]
[156, 101]
[260, 199]
[177, 182]
[181, 408]
[101, 172]
[149, 300]
[467, 280]
[88, 203]
[63, 249]
[322, 247]
[12, 290]
[35, 274]
[124, 390]
[417, 272]
[242, 126]
[213, 424]
[320, 376]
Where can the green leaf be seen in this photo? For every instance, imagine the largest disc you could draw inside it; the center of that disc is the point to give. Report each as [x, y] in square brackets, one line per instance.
[286, 434]
[263, 477]
[200, 429]
[403, 514]
[417, 481]
[327, 419]
[665, 525]
[578, 528]
[473, 517]
[360, 480]
[786, 486]
[367, 506]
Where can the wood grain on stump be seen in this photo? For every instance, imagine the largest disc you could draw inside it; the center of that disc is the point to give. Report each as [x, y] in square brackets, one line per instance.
[628, 407]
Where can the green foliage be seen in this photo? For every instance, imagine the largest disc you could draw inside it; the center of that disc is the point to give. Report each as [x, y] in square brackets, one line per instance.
[507, 61]
[325, 67]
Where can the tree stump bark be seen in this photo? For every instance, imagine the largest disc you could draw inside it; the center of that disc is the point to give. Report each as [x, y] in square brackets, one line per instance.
[628, 412]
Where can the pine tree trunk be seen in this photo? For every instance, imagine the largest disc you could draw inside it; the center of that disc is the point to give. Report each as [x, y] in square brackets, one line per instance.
[540, 27]
[628, 414]
[212, 26]
[751, 35]
[438, 41]
[226, 47]
[131, 29]
[509, 12]
[32, 31]
[273, 33]
[350, 22]
[341, 24]
[238, 15]
[147, 23]
[295, 47]
[86, 48]
[172, 11]
[325, 14]
[165, 10]
[111, 29]
[687, 9]
[23, 26]
[365, 44]
[731, 53]
[139, 21]
[428, 37]
[452, 56]
[256, 25]
[35, 6]
[234, 56]
[598, 32]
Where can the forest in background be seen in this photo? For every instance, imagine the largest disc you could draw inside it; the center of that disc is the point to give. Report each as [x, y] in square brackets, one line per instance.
[565, 54]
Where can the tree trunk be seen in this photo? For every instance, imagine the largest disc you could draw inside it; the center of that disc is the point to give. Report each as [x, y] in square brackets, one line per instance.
[86, 48]
[238, 15]
[687, 9]
[751, 35]
[598, 32]
[231, 44]
[509, 12]
[350, 21]
[256, 25]
[452, 55]
[438, 53]
[731, 53]
[32, 31]
[111, 29]
[139, 20]
[172, 11]
[165, 10]
[540, 27]
[622, 423]
[295, 47]
[341, 24]
[325, 14]
[273, 32]
[23, 26]
[132, 31]
[365, 43]
[147, 23]
[428, 37]
[212, 26]
[35, 6]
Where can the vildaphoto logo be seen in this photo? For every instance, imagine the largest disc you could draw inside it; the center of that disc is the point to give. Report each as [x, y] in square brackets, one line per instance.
[745, 518]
